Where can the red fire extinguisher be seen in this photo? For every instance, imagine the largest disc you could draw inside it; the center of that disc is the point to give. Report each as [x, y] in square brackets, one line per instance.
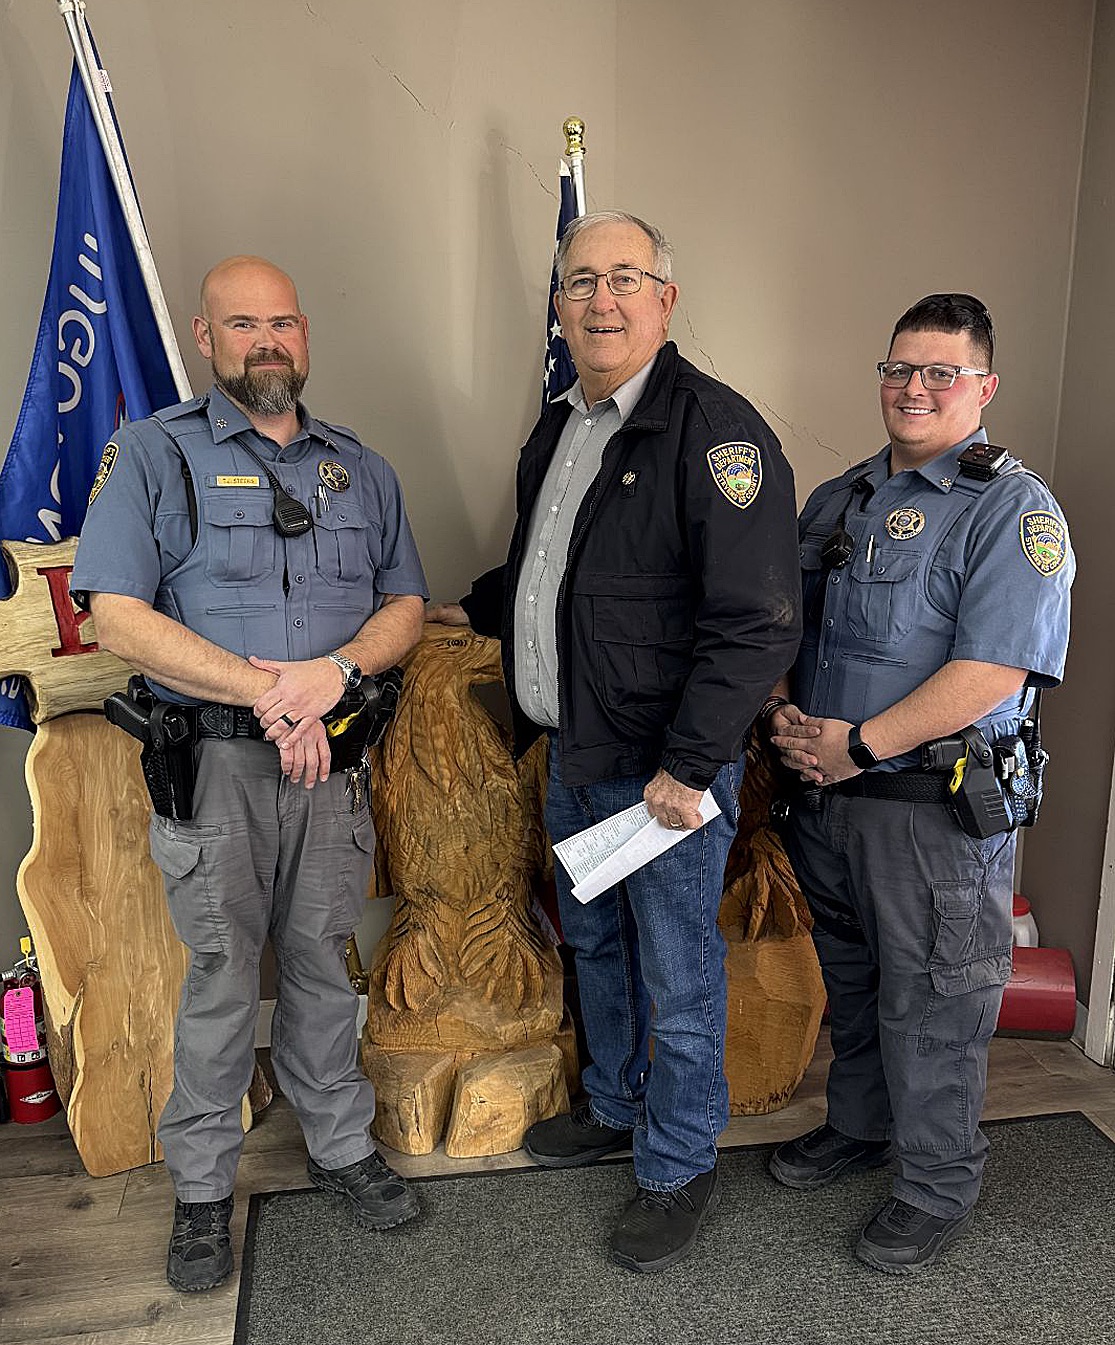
[27, 1077]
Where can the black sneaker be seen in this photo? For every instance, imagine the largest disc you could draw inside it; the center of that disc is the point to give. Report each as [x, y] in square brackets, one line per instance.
[658, 1228]
[379, 1197]
[200, 1252]
[818, 1158]
[573, 1139]
[902, 1240]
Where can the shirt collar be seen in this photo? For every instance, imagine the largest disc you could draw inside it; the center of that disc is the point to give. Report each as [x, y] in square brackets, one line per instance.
[226, 420]
[626, 396]
[943, 470]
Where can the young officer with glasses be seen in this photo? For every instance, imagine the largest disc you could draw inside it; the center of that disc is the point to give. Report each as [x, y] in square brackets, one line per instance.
[936, 594]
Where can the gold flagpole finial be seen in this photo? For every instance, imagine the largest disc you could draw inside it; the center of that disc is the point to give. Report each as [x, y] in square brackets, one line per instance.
[574, 129]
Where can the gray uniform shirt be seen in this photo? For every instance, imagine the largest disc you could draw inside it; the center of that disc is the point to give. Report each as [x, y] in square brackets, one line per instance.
[573, 468]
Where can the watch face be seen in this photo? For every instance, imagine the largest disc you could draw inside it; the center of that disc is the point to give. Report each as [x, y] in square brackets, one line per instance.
[859, 752]
[350, 670]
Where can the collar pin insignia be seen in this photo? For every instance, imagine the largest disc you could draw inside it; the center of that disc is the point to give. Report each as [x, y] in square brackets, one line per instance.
[222, 424]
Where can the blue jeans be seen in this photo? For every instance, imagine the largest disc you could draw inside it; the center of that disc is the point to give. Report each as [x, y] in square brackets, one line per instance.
[650, 948]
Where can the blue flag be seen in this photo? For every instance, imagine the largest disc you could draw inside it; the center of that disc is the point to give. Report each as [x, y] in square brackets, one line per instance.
[558, 372]
[98, 360]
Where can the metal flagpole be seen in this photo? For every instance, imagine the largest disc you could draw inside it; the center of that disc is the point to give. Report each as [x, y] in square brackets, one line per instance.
[574, 129]
[73, 14]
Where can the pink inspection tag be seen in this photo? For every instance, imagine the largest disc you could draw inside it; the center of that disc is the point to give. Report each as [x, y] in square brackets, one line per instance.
[21, 1039]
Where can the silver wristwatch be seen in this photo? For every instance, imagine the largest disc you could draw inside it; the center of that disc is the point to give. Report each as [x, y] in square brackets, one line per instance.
[351, 670]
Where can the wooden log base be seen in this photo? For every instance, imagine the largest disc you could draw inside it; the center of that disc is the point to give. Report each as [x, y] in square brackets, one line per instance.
[500, 1096]
[775, 1000]
[413, 1092]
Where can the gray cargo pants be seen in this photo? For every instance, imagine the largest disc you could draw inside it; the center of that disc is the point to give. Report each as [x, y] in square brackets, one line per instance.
[913, 932]
[263, 858]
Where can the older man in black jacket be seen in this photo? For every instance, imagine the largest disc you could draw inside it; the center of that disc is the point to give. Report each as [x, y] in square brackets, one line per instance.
[649, 602]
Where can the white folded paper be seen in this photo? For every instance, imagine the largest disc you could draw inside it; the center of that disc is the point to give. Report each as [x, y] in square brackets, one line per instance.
[606, 853]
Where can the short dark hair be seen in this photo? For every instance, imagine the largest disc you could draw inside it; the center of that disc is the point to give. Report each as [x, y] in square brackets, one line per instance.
[952, 313]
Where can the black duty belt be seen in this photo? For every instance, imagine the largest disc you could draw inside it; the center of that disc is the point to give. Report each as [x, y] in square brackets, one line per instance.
[227, 721]
[905, 786]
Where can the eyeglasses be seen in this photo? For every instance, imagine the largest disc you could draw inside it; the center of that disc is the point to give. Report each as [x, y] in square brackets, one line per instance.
[622, 280]
[934, 377]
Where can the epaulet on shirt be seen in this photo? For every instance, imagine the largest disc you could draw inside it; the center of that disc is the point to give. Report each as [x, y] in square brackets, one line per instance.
[343, 431]
[182, 408]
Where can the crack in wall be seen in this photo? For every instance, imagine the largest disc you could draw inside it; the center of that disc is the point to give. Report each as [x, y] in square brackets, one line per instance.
[429, 111]
[451, 125]
[527, 163]
[799, 432]
[693, 338]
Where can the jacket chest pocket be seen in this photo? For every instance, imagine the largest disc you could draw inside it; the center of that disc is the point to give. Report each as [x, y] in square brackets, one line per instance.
[239, 538]
[883, 596]
[644, 647]
[342, 540]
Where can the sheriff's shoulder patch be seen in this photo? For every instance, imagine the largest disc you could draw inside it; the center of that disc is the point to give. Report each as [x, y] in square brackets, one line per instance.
[737, 470]
[104, 471]
[1043, 540]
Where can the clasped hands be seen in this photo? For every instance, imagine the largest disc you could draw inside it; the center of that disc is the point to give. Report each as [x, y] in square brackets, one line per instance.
[290, 713]
[817, 749]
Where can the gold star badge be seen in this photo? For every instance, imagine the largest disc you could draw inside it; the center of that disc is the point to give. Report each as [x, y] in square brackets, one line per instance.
[333, 476]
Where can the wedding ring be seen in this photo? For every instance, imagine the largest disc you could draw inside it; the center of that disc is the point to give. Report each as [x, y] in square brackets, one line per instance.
[287, 720]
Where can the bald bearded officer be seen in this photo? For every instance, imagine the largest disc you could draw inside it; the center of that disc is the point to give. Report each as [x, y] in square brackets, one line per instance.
[194, 580]
[936, 582]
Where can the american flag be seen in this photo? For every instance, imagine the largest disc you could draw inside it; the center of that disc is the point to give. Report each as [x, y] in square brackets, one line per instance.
[558, 372]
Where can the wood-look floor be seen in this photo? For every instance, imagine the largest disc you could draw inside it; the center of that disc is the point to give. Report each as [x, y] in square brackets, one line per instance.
[82, 1259]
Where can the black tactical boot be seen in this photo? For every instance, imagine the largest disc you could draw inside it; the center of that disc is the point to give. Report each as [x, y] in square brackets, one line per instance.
[903, 1240]
[379, 1197]
[200, 1252]
[818, 1158]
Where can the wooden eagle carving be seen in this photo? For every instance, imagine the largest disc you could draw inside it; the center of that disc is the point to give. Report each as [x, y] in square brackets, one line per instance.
[461, 847]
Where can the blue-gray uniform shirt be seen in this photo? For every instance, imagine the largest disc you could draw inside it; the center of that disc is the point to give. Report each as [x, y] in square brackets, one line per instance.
[944, 567]
[242, 585]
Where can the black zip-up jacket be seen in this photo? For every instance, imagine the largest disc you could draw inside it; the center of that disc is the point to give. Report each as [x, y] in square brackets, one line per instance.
[680, 604]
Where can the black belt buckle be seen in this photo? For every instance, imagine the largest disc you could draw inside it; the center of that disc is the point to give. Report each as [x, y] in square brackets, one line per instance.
[218, 721]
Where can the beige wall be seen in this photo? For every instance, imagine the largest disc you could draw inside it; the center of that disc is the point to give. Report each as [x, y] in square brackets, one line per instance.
[828, 164]
[819, 166]
[1065, 854]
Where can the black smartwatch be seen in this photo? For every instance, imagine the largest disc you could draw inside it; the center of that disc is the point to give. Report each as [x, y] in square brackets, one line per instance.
[859, 751]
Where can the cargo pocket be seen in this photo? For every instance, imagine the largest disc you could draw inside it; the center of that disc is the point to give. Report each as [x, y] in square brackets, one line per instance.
[356, 876]
[187, 887]
[967, 971]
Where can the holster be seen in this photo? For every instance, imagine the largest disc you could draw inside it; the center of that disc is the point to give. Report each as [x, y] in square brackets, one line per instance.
[360, 718]
[167, 732]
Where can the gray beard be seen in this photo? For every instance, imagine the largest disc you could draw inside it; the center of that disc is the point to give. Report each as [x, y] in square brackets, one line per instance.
[264, 393]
